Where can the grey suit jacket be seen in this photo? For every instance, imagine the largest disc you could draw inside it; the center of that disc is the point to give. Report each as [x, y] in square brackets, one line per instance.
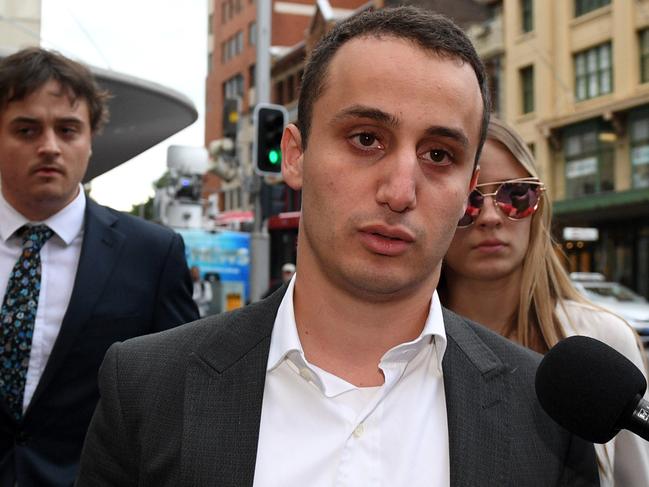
[182, 408]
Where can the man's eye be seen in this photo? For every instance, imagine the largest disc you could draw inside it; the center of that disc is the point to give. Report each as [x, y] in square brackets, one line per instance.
[438, 156]
[366, 140]
[25, 131]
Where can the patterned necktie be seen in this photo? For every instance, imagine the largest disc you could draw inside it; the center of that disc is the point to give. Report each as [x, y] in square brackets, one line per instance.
[17, 317]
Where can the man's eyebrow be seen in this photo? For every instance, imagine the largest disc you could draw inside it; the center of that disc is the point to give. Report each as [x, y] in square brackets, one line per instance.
[362, 111]
[23, 119]
[74, 120]
[448, 132]
[33, 120]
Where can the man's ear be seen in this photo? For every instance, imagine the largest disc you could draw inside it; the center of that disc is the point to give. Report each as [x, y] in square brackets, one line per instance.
[292, 156]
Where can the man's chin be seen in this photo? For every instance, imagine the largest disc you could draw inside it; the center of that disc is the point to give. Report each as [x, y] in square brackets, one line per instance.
[384, 286]
[52, 197]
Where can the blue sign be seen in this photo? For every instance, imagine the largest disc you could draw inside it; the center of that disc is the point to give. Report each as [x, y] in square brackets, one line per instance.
[226, 253]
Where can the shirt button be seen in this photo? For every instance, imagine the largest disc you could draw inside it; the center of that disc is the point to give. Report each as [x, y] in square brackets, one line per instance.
[358, 431]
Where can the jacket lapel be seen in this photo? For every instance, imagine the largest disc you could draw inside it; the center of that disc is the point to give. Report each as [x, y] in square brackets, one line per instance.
[223, 399]
[99, 253]
[478, 409]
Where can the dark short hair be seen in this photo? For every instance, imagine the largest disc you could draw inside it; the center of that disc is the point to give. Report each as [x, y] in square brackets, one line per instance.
[426, 29]
[27, 70]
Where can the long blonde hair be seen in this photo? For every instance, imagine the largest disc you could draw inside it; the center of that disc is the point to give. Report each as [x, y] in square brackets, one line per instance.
[544, 281]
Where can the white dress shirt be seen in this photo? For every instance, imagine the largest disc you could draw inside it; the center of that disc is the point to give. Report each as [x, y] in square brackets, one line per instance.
[319, 430]
[59, 262]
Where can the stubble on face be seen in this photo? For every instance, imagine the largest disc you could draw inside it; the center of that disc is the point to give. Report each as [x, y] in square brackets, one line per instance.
[345, 186]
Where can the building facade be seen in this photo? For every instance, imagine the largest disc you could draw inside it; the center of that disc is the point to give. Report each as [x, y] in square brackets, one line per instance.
[573, 77]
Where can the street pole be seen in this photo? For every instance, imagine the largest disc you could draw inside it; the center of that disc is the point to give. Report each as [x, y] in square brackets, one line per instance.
[260, 241]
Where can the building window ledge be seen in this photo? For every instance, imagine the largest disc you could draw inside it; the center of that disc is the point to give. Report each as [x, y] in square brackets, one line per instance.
[590, 16]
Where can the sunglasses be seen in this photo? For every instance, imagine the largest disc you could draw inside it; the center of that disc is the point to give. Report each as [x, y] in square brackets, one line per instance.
[516, 198]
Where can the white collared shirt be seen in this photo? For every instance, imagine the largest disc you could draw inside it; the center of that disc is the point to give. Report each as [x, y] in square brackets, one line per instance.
[319, 430]
[59, 262]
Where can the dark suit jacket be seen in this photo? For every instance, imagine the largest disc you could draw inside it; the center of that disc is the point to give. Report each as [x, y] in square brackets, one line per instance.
[132, 280]
[182, 408]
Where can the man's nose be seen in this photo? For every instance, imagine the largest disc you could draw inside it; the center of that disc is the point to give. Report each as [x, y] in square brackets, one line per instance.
[398, 186]
[49, 144]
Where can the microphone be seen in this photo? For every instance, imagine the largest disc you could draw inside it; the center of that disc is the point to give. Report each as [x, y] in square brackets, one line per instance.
[592, 390]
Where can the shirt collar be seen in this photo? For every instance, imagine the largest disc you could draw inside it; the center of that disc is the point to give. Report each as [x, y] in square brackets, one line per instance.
[284, 338]
[433, 332]
[285, 341]
[67, 223]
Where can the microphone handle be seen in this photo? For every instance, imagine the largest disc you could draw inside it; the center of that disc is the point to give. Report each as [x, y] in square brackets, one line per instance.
[638, 422]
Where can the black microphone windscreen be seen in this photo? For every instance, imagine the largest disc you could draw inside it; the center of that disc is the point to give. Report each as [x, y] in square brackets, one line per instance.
[588, 387]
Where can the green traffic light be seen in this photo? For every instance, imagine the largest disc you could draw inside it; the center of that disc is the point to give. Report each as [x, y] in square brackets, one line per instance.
[274, 156]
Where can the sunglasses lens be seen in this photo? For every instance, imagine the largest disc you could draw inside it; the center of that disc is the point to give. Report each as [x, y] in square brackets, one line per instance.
[518, 200]
[476, 200]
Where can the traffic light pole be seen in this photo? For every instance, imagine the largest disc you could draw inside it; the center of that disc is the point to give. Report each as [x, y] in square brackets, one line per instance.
[260, 241]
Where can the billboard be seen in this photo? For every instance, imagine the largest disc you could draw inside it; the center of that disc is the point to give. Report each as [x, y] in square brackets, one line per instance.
[224, 253]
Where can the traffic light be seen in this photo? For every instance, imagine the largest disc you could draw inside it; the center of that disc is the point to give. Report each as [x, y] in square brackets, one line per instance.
[269, 126]
[230, 118]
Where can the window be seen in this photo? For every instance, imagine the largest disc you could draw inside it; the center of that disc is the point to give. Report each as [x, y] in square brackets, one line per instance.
[527, 89]
[527, 15]
[251, 75]
[252, 33]
[210, 21]
[233, 87]
[593, 72]
[209, 61]
[494, 77]
[232, 48]
[238, 41]
[639, 132]
[644, 56]
[279, 92]
[225, 11]
[589, 156]
[584, 6]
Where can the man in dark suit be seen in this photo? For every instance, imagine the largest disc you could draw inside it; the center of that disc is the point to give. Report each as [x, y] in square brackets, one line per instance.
[74, 276]
[352, 374]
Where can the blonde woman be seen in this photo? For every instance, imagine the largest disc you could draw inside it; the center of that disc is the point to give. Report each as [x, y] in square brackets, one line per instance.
[502, 271]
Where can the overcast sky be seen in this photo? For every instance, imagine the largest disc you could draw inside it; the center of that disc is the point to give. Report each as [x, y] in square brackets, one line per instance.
[158, 40]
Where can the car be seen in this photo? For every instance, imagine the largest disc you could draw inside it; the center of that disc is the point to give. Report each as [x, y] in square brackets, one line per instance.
[617, 298]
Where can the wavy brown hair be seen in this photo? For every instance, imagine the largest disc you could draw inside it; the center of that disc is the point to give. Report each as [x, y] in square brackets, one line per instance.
[27, 70]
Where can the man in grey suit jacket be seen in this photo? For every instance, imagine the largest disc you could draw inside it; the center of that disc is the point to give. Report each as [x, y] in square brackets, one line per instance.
[352, 374]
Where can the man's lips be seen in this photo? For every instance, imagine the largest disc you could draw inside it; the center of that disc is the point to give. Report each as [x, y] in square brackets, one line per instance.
[386, 240]
[48, 170]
